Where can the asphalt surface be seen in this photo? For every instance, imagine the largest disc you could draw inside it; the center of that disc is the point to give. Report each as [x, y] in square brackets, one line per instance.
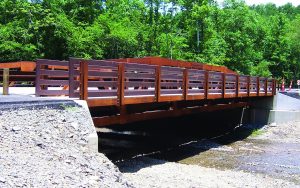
[24, 97]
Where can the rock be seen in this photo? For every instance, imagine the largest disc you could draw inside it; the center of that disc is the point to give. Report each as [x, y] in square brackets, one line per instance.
[16, 128]
[94, 178]
[2, 180]
[74, 125]
[68, 161]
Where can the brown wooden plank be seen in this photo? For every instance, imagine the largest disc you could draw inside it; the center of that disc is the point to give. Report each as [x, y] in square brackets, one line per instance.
[195, 97]
[84, 80]
[171, 84]
[229, 95]
[72, 77]
[62, 73]
[121, 88]
[102, 93]
[102, 63]
[102, 83]
[139, 84]
[223, 84]
[171, 77]
[130, 75]
[196, 72]
[171, 91]
[253, 94]
[102, 102]
[136, 66]
[138, 100]
[103, 74]
[53, 92]
[169, 98]
[53, 82]
[171, 69]
[157, 83]
[237, 87]
[185, 84]
[218, 85]
[138, 92]
[257, 86]
[214, 96]
[206, 84]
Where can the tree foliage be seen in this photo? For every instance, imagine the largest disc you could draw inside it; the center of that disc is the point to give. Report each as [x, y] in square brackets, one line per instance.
[258, 40]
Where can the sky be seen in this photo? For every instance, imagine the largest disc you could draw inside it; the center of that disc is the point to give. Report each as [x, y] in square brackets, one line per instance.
[277, 2]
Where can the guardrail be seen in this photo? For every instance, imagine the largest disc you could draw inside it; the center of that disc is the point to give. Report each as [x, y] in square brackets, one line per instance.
[104, 83]
[109, 83]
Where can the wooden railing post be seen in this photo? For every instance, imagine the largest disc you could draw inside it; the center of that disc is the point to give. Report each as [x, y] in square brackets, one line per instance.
[157, 83]
[223, 85]
[37, 79]
[266, 86]
[5, 81]
[44, 77]
[237, 89]
[185, 84]
[248, 85]
[121, 88]
[84, 80]
[206, 75]
[71, 78]
[257, 85]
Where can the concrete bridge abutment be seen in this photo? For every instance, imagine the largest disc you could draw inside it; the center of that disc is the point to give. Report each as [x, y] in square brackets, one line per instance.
[277, 109]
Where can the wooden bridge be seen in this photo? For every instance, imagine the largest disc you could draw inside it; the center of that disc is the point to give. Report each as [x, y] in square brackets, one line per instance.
[122, 91]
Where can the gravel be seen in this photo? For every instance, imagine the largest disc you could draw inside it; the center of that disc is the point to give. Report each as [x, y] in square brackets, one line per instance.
[286, 133]
[147, 172]
[47, 147]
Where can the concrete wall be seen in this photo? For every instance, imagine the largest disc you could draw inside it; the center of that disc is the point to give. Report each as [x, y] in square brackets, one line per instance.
[278, 109]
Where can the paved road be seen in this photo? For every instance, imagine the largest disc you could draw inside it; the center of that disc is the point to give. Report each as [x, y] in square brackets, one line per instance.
[24, 97]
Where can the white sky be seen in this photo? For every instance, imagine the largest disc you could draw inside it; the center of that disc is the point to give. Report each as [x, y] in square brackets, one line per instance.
[277, 2]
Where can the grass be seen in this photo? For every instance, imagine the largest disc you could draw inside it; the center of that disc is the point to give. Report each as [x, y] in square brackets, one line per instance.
[257, 132]
[70, 108]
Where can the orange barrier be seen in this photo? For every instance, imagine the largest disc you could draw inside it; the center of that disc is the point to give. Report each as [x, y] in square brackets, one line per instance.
[24, 66]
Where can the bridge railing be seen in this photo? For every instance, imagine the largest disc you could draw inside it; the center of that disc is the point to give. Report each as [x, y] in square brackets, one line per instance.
[104, 83]
[52, 78]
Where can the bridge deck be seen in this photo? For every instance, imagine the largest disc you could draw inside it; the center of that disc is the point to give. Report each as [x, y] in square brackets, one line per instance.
[123, 84]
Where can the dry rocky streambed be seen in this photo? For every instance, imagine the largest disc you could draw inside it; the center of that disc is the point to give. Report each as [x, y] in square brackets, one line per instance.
[46, 146]
[270, 157]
